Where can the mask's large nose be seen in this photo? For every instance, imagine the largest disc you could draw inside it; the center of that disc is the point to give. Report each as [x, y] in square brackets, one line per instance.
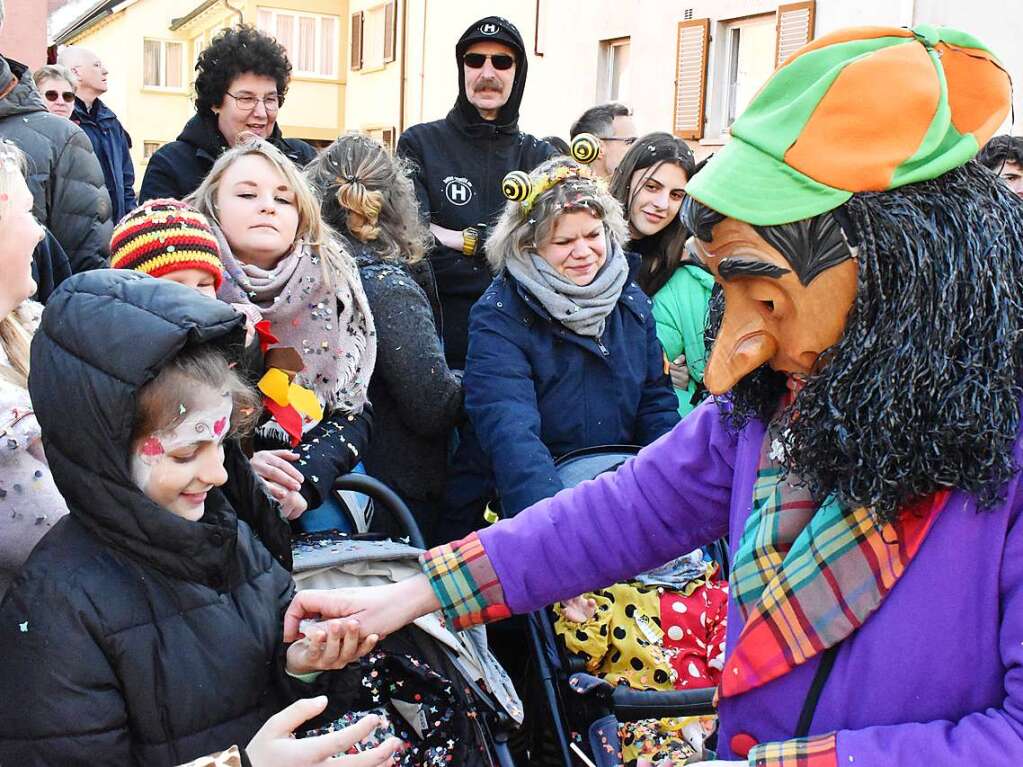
[742, 345]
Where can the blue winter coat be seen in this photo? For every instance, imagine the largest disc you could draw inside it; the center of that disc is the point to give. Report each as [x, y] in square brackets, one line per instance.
[111, 143]
[534, 390]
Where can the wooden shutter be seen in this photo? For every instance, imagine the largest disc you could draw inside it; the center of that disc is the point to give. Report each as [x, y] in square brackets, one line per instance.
[390, 28]
[356, 35]
[387, 138]
[795, 28]
[691, 77]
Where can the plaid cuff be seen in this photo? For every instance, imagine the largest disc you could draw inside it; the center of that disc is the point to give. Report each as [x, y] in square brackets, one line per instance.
[465, 583]
[820, 751]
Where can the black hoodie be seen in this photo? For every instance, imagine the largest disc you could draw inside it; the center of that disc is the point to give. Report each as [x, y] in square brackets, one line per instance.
[133, 636]
[459, 163]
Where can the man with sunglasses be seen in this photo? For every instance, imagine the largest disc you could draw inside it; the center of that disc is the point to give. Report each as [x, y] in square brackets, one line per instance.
[110, 140]
[460, 161]
[612, 123]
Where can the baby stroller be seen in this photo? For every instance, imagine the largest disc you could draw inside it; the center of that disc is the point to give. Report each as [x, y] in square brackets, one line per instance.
[443, 693]
[579, 702]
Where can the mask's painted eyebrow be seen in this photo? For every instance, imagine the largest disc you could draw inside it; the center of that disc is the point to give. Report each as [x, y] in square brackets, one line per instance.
[730, 268]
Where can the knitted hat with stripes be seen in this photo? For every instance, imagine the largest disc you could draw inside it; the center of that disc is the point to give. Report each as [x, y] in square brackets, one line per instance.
[164, 236]
[865, 109]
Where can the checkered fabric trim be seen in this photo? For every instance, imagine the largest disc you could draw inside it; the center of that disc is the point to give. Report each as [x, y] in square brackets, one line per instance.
[465, 583]
[820, 751]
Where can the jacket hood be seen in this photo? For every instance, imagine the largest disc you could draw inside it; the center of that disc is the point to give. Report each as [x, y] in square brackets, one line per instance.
[24, 98]
[494, 29]
[104, 334]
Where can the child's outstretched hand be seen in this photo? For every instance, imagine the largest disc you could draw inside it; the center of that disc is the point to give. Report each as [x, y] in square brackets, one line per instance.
[327, 646]
[578, 609]
[275, 744]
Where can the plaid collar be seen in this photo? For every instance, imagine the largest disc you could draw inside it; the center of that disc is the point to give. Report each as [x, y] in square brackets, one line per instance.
[805, 576]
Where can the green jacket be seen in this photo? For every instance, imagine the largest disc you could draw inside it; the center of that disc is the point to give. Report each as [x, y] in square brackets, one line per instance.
[680, 310]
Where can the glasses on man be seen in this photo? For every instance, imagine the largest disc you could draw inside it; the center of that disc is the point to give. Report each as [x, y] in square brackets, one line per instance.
[500, 61]
[66, 96]
[627, 140]
[247, 102]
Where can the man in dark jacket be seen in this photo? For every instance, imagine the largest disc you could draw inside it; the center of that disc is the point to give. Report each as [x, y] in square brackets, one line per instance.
[63, 174]
[110, 140]
[461, 160]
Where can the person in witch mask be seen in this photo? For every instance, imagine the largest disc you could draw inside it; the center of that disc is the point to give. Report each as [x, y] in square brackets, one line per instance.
[460, 161]
[862, 449]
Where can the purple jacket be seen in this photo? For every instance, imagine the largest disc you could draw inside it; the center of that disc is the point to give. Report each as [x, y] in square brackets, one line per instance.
[933, 677]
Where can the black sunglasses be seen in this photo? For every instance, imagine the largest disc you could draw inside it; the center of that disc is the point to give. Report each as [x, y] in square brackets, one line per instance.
[68, 96]
[500, 61]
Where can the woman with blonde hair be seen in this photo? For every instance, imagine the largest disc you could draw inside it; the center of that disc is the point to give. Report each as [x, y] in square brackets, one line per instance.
[367, 196]
[284, 263]
[29, 501]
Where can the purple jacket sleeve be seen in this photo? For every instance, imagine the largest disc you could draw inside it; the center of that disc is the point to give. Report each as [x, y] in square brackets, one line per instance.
[673, 497]
[993, 736]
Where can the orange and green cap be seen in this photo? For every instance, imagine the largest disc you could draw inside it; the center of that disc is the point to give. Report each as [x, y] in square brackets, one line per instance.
[865, 109]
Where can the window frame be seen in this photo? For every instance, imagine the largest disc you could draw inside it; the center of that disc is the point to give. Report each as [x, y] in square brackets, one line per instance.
[318, 52]
[162, 66]
[731, 59]
[605, 83]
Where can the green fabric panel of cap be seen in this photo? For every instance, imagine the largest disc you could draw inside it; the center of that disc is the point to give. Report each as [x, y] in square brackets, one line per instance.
[943, 147]
[774, 119]
[747, 184]
[964, 40]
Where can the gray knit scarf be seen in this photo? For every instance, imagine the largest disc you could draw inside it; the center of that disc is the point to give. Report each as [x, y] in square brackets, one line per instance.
[332, 329]
[583, 309]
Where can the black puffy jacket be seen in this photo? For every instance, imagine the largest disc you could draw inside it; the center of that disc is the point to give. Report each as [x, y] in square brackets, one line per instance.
[458, 166]
[64, 176]
[131, 635]
[176, 169]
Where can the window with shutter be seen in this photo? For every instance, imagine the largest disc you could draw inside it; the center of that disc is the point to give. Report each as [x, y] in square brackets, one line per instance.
[795, 28]
[356, 40]
[691, 77]
[390, 29]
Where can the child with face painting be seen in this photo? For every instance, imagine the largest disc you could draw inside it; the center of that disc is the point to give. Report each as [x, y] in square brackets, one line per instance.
[650, 184]
[282, 260]
[146, 627]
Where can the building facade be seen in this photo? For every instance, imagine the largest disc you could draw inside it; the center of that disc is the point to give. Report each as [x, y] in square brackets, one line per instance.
[150, 48]
[687, 67]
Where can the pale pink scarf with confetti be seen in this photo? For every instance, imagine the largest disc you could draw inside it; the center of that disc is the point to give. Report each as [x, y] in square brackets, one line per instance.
[331, 328]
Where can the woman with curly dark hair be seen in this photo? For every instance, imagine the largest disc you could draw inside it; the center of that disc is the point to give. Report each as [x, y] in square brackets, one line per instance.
[242, 78]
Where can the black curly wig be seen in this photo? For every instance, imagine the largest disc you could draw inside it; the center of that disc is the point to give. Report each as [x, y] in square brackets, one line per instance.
[922, 392]
[236, 51]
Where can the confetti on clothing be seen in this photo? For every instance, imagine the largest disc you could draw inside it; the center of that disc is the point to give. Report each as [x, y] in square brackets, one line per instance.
[416, 704]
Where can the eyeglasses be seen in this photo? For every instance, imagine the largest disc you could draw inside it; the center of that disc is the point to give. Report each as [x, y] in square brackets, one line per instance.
[629, 140]
[499, 61]
[67, 96]
[247, 102]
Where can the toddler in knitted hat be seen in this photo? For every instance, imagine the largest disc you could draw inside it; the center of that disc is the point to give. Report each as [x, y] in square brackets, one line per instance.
[173, 241]
[168, 239]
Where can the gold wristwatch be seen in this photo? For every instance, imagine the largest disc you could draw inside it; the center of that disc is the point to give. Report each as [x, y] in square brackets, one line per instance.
[470, 240]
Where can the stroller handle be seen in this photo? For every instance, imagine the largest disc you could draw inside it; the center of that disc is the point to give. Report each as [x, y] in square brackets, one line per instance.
[388, 499]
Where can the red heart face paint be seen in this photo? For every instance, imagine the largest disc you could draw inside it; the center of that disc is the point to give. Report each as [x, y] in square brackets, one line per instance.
[177, 466]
